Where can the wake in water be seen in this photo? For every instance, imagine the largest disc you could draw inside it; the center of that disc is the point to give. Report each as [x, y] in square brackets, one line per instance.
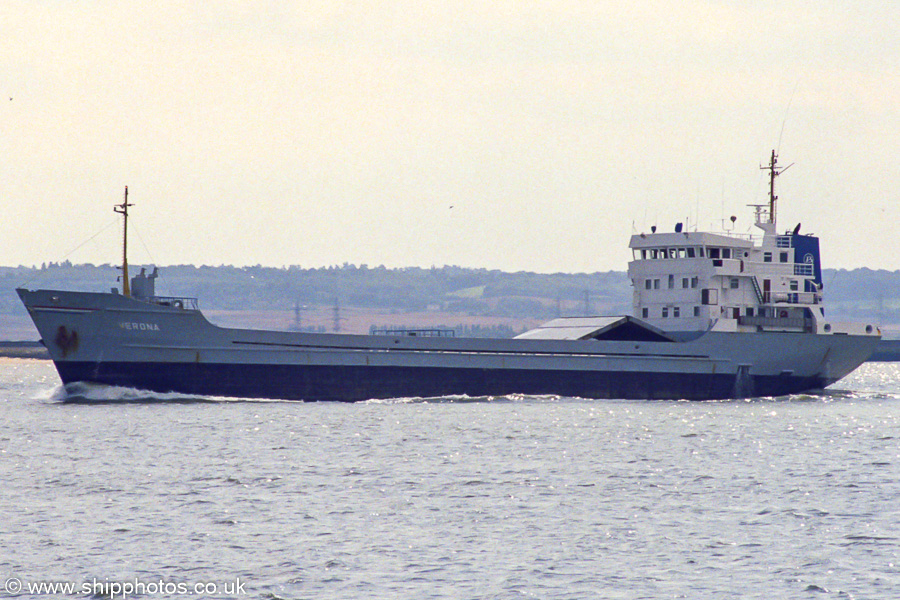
[465, 398]
[92, 393]
[95, 393]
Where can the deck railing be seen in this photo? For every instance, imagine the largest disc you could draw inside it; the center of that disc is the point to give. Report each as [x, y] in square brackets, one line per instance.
[790, 297]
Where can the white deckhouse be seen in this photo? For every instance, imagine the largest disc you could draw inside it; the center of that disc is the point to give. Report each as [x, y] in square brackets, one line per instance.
[690, 282]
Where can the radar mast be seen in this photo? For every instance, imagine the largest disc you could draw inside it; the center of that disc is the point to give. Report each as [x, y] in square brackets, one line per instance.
[774, 171]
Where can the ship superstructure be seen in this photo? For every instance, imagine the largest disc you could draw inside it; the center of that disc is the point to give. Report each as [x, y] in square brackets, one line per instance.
[689, 282]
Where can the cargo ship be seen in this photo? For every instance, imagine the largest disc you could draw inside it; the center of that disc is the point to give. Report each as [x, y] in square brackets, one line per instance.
[715, 316]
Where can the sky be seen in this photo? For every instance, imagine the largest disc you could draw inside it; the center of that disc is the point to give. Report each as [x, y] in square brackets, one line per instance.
[533, 136]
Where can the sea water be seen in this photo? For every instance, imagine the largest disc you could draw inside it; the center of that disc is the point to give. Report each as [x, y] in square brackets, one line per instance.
[125, 495]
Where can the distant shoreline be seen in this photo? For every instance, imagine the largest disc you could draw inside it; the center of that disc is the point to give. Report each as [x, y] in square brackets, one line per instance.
[23, 350]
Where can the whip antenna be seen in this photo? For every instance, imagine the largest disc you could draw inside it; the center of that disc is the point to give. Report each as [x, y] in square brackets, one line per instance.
[784, 121]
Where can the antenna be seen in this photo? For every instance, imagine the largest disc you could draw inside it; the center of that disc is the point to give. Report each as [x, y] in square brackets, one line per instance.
[122, 209]
[722, 205]
[786, 111]
[697, 207]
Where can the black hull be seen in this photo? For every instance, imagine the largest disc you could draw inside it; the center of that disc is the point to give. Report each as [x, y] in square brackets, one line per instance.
[356, 383]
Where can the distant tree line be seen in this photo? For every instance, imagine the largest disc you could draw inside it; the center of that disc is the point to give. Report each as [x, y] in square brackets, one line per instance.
[858, 293]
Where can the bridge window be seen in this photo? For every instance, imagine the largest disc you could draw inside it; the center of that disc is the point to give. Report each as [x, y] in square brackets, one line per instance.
[713, 253]
[784, 256]
[726, 252]
[691, 252]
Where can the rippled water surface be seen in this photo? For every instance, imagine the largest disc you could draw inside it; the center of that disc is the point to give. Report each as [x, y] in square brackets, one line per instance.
[463, 498]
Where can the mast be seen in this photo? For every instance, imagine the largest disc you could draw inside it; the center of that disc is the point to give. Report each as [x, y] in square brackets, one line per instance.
[774, 171]
[122, 209]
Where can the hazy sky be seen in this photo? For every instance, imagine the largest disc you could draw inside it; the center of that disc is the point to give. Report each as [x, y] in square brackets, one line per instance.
[513, 135]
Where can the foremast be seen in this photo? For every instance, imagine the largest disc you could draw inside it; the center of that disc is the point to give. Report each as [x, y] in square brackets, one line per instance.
[122, 209]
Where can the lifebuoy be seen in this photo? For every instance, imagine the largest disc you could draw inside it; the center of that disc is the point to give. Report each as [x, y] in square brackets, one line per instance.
[178, 304]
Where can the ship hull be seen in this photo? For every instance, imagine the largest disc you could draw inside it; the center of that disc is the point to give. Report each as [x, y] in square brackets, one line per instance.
[115, 340]
[352, 384]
